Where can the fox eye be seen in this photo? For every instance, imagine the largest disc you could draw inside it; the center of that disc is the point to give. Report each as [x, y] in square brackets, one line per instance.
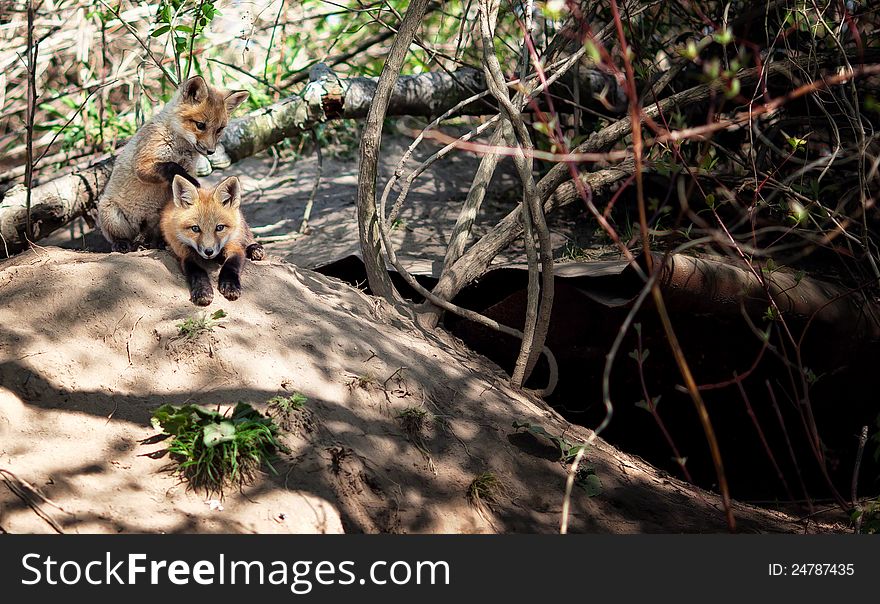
[220, 129]
[200, 125]
[195, 228]
[220, 227]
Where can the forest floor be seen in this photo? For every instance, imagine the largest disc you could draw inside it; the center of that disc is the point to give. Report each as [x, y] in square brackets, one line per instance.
[89, 347]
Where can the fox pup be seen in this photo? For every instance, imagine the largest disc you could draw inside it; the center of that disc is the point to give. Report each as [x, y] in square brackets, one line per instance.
[201, 224]
[161, 150]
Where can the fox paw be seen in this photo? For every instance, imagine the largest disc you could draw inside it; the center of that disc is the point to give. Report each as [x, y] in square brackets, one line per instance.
[202, 295]
[255, 251]
[122, 246]
[230, 287]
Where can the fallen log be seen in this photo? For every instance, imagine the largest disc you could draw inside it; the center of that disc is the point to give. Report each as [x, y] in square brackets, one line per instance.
[706, 285]
[326, 97]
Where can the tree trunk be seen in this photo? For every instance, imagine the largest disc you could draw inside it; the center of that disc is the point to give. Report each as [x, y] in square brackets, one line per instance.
[371, 139]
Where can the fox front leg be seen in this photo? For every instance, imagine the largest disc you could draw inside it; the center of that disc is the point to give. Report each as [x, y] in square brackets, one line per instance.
[253, 250]
[167, 170]
[201, 291]
[229, 282]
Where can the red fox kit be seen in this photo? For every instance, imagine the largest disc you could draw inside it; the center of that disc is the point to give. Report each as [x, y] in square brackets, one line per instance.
[165, 147]
[201, 224]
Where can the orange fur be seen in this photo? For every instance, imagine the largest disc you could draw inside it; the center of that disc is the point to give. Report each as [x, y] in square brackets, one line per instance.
[138, 188]
[200, 224]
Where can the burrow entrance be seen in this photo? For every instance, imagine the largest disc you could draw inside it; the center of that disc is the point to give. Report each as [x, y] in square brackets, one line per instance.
[764, 430]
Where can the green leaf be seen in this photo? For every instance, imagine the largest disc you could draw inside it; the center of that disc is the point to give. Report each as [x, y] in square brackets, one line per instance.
[724, 37]
[170, 419]
[214, 434]
[589, 482]
[160, 31]
[733, 89]
[593, 51]
[567, 450]
[218, 314]
[174, 420]
[553, 9]
[568, 454]
[796, 142]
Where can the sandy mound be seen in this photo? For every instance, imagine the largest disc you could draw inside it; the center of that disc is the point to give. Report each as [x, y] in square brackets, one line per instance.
[87, 351]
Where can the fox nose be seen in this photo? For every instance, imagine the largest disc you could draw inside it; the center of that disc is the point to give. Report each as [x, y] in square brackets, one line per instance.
[210, 151]
[209, 252]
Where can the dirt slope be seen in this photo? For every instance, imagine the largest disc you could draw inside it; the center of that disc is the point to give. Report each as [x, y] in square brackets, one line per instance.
[87, 351]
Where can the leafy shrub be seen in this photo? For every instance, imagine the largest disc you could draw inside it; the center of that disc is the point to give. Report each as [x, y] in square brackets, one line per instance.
[213, 451]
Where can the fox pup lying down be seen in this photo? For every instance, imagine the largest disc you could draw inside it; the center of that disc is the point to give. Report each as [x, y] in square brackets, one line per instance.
[200, 225]
[164, 147]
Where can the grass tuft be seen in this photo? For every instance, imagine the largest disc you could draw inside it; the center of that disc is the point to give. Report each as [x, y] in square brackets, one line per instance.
[286, 409]
[413, 420]
[486, 490]
[288, 404]
[193, 327]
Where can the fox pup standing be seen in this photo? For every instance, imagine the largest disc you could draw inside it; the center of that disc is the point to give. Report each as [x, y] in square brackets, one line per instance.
[200, 224]
[161, 150]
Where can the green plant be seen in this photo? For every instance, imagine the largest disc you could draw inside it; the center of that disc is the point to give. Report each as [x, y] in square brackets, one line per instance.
[213, 451]
[288, 404]
[587, 479]
[169, 17]
[194, 326]
[339, 139]
[574, 253]
[567, 450]
[867, 517]
[286, 409]
[486, 489]
[88, 125]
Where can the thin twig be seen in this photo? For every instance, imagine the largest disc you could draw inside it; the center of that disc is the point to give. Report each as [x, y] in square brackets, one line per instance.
[32, 52]
[29, 495]
[863, 439]
[320, 169]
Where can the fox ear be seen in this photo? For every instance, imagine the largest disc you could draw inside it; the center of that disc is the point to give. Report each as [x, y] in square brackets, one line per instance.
[235, 98]
[195, 89]
[228, 192]
[184, 191]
